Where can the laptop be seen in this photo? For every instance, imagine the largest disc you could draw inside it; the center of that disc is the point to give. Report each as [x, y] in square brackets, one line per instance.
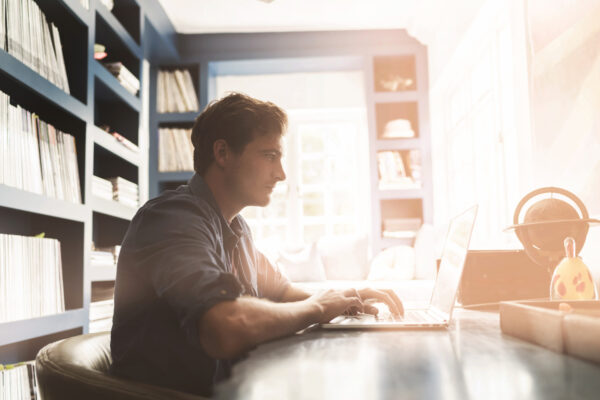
[439, 312]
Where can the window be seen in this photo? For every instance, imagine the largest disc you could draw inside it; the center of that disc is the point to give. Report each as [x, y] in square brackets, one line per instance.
[325, 156]
[478, 153]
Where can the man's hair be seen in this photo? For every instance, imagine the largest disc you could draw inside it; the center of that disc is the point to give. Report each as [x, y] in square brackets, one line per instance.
[237, 119]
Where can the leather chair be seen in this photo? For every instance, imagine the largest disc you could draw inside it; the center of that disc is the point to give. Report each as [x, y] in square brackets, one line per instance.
[77, 368]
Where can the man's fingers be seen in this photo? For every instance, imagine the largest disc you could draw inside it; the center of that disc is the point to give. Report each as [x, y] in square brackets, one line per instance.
[396, 300]
[393, 303]
[371, 309]
[354, 303]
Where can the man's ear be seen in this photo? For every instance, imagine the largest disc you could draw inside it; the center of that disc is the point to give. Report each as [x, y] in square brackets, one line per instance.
[220, 152]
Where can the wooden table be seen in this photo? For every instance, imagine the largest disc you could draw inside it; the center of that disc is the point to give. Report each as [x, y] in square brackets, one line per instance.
[470, 360]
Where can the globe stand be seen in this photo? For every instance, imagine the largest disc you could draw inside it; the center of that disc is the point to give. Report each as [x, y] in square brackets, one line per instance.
[547, 223]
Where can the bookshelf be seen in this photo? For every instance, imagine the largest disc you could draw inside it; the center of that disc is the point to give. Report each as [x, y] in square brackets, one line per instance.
[96, 98]
[401, 182]
[396, 80]
[161, 181]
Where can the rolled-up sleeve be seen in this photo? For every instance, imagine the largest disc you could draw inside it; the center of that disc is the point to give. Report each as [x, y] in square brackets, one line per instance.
[272, 284]
[179, 252]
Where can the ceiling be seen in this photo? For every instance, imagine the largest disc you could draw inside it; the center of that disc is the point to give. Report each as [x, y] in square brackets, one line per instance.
[219, 16]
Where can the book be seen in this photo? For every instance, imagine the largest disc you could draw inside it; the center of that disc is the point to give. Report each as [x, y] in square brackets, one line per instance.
[28, 36]
[128, 80]
[393, 171]
[18, 381]
[35, 156]
[176, 151]
[176, 92]
[31, 271]
[125, 192]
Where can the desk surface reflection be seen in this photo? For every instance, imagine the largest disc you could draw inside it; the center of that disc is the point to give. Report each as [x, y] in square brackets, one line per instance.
[470, 360]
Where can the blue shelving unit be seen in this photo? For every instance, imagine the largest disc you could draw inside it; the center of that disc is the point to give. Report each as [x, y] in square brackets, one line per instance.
[96, 98]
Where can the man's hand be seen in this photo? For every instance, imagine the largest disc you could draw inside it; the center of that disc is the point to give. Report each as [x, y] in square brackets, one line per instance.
[332, 303]
[369, 296]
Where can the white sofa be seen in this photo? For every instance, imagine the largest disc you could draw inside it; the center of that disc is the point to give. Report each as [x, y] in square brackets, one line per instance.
[341, 262]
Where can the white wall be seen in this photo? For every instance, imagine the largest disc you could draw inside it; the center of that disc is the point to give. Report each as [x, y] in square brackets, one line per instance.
[565, 104]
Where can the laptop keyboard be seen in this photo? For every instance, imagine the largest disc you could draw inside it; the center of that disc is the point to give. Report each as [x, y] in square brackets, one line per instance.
[416, 316]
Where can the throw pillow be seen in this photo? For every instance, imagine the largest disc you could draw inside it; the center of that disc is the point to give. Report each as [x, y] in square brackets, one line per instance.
[393, 264]
[302, 266]
[345, 257]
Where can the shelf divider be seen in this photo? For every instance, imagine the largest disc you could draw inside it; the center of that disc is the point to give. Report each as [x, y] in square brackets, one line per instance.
[112, 208]
[113, 84]
[107, 141]
[22, 200]
[17, 331]
[119, 30]
[21, 73]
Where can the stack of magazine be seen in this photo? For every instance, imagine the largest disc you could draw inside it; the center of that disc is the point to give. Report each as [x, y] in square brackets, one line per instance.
[125, 192]
[18, 381]
[28, 36]
[176, 92]
[117, 189]
[31, 271]
[102, 306]
[102, 188]
[35, 156]
[105, 257]
[175, 150]
[124, 76]
[101, 313]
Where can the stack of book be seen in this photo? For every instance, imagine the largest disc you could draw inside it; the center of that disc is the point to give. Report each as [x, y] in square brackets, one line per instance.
[102, 306]
[175, 150]
[18, 381]
[125, 192]
[397, 171]
[32, 40]
[124, 76]
[35, 156]
[176, 92]
[104, 257]
[31, 271]
[401, 228]
[103, 263]
[101, 313]
[102, 188]
[398, 128]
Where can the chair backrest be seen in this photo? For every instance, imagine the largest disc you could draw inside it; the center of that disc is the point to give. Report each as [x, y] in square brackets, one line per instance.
[77, 368]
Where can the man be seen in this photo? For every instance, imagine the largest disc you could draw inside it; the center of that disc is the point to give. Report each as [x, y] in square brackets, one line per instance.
[192, 292]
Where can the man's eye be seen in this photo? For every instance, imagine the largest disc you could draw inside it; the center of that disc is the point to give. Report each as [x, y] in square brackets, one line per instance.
[271, 157]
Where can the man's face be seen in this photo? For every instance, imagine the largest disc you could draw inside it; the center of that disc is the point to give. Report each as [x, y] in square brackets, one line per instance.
[252, 175]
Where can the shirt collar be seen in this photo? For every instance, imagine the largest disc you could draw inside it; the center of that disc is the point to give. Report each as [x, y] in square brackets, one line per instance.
[201, 190]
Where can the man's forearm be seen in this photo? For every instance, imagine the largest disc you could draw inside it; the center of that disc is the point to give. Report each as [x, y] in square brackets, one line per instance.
[230, 328]
[294, 293]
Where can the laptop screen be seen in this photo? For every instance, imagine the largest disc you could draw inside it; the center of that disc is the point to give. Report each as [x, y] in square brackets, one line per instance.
[453, 261]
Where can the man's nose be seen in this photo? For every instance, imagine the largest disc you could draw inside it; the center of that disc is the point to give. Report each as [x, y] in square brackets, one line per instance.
[280, 172]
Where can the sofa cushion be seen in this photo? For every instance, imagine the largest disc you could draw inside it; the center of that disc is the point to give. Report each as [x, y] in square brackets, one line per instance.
[302, 266]
[393, 264]
[345, 257]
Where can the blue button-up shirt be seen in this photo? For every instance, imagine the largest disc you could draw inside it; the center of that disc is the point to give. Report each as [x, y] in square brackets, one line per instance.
[178, 259]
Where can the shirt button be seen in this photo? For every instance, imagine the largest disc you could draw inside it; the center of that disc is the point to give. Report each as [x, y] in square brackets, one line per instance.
[223, 291]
